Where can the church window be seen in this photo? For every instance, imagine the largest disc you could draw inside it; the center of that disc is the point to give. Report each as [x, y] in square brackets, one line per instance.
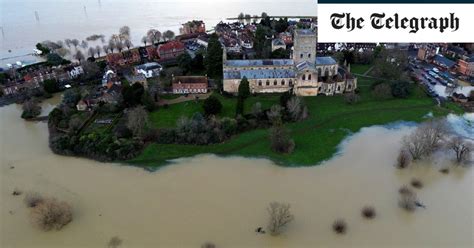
[309, 55]
[259, 82]
[290, 82]
[283, 82]
[303, 77]
[309, 76]
[275, 82]
[268, 82]
[301, 56]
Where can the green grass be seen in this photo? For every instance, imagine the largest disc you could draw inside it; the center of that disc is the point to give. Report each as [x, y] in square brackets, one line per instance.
[317, 138]
[360, 68]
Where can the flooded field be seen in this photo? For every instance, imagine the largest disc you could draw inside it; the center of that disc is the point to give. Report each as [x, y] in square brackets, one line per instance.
[223, 200]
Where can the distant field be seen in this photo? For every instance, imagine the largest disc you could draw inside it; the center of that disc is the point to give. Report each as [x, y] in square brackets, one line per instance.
[316, 138]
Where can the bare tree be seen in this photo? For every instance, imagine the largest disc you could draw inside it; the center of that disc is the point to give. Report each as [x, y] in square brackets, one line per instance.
[137, 121]
[51, 214]
[461, 148]
[407, 199]
[168, 35]
[91, 52]
[68, 42]
[296, 109]
[106, 48]
[145, 40]
[84, 44]
[98, 50]
[274, 115]
[79, 56]
[154, 35]
[280, 139]
[125, 31]
[75, 43]
[403, 159]
[257, 109]
[424, 139]
[119, 45]
[280, 216]
[112, 45]
[114, 242]
[128, 44]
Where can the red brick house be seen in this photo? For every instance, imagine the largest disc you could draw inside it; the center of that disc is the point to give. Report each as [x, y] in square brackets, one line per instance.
[192, 27]
[123, 58]
[152, 52]
[171, 50]
[190, 84]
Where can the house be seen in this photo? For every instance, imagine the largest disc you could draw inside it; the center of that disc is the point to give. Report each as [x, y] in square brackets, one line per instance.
[466, 66]
[75, 72]
[151, 52]
[149, 70]
[277, 44]
[203, 40]
[190, 84]
[287, 37]
[171, 50]
[112, 94]
[192, 27]
[443, 62]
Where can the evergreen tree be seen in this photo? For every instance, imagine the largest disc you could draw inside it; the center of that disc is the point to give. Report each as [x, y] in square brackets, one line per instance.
[213, 59]
[244, 88]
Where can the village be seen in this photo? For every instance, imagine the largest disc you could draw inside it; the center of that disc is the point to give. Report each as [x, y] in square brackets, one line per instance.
[236, 72]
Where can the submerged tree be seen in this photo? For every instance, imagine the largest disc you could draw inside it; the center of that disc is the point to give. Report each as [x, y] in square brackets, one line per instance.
[424, 139]
[461, 148]
[280, 216]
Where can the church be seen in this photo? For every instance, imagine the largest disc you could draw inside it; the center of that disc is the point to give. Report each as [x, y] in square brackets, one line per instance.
[304, 74]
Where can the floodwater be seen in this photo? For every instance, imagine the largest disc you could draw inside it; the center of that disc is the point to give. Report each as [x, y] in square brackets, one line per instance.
[21, 29]
[223, 200]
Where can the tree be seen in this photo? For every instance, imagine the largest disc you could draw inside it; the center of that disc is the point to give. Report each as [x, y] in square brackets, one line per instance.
[84, 44]
[31, 109]
[280, 53]
[168, 35]
[260, 40]
[71, 97]
[213, 59]
[280, 216]
[50, 86]
[274, 115]
[98, 50]
[382, 91]
[400, 89]
[424, 139]
[241, 16]
[106, 48]
[91, 70]
[132, 95]
[51, 214]
[461, 148]
[137, 121]
[154, 36]
[244, 88]
[281, 25]
[239, 108]
[119, 45]
[145, 39]
[280, 139]
[54, 59]
[257, 109]
[212, 106]
[45, 50]
[296, 110]
[197, 64]
[79, 56]
[125, 31]
[75, 43]
[91, 52]
[185, 62]
[128, 44]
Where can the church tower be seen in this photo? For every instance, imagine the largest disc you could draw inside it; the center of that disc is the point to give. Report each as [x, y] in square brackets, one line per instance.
[304, 48]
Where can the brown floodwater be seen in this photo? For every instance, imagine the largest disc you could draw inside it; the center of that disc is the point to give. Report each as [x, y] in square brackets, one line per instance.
[223, 200]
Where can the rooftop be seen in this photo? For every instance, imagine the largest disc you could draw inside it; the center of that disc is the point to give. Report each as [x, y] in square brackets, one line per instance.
[305, 32]
[190, 79]
[260, 62]
[444, 61]
[325, 61]
[260, 74]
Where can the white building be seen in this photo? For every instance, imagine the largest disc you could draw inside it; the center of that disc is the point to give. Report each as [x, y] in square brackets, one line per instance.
[149, 70]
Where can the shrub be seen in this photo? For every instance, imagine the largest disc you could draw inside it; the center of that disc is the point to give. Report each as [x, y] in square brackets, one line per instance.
[51, 214]
[444, 170]
[33, 199]
[212, 106]
[407, 199]
[208, 245]
[368, 212]
[461, 148]
[416, 183]
[280, 140]
[114, 242]
[403, 159]
[400, 89]
[351, 98]
[382, 91]
[339, 226]
[31, 109]
[280, 216]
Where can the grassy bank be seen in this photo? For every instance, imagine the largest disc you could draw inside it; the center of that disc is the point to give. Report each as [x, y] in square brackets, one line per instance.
[316, 138]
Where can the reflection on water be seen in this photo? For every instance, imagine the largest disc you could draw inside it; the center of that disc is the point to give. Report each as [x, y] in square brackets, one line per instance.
[223, 200]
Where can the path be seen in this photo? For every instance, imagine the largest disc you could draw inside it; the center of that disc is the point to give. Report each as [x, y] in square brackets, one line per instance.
[368, 71]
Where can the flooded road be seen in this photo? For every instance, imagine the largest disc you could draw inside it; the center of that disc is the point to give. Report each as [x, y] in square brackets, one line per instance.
[223, 200]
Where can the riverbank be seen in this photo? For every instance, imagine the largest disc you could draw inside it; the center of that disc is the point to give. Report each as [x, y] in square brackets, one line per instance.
[169, 208]
[317, 138]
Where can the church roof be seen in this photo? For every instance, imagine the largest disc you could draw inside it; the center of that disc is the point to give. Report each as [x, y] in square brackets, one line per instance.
[305, 65]
[259, 62]
[260, 74]
[325, 61]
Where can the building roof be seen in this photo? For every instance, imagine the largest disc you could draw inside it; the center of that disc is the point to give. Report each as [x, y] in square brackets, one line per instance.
[444, 61]
[278, 42]
[260, 62]
[304, 65]
[325, 61]
[190, 80]
[149, 66]
[171, 45]
[260, 74]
